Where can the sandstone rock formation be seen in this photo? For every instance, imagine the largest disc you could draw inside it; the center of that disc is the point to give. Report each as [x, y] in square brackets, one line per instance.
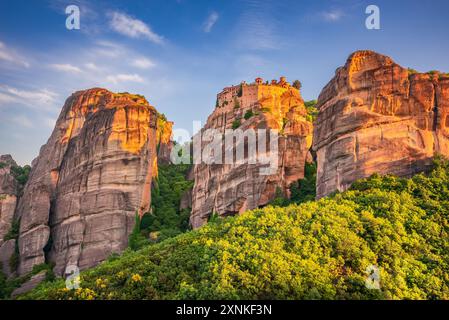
[8, 195]
[228, 189]
[8, 200]
[377, 117]
[89, 180]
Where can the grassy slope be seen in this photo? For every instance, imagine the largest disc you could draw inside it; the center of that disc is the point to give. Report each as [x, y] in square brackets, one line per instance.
[316, 250]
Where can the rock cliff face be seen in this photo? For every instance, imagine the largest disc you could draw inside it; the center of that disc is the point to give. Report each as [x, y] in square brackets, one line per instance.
[89, 180]
[377, 117]
[228, 189]
[8, 195]
[8, 200]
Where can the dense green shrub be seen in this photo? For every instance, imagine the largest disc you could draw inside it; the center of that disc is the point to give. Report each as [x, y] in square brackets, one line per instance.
[240, 92]
[316, 250]
[7, 286]
[305, 189]
[312, 111]
[165, 219]
[21, 174]
[236, 124]
[248, 114]
[412, 71]
[297, 84]
[13, 233]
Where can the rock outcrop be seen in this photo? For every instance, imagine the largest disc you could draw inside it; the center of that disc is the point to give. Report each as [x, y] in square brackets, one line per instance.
[89, 180]
[229, 189]
[8, 201]
[8, 195]
[378, 117]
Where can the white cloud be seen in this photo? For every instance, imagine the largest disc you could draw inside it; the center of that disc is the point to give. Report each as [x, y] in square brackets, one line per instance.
[108, 49]
[10, 56]
[210, 22]
[143, 63]
[5, 99]
[92, 66]
[35, 99]
[133, 28]
[65, 68]
[333, 15]
[124, 78]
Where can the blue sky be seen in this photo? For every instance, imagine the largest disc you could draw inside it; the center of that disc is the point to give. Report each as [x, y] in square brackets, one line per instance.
[181, 53]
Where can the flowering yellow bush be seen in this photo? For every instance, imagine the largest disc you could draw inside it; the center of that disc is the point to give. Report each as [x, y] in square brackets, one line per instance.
[136, 278]
[84, 294]
[316, 250]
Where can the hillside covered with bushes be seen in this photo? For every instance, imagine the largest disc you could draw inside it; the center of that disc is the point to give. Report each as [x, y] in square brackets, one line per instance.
[322, 249]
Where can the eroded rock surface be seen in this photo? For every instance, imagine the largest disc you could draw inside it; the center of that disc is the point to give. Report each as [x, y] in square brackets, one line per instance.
[8, 195]
[89, 180]
[228, 189]
[378, 117]
[9, 192]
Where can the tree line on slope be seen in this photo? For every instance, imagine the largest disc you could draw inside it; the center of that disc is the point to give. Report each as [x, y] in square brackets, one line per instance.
[324, 249]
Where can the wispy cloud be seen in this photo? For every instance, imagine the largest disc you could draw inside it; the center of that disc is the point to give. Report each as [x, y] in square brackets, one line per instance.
[108, 49]
[91, 66]
[65, 68]
[10, 56]
[210, 22]
[332, 15]
[38, 99]
[143, 63]
[124, 78]
[133, 28]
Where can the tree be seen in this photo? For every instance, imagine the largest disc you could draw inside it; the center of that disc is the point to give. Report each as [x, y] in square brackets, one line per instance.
[297, 84]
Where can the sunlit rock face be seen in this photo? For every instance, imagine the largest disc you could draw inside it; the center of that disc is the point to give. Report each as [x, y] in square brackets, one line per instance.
[229, 189]
[89, 180]
[378, 117]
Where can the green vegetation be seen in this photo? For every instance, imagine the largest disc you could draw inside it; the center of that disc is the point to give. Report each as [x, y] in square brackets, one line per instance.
[316, 250]
[13, 233]
[7, 286]
[301, 191]
[412, 71]
[236, 123]
[3, 165]
[312, 111]
[248, 114]
[305, 189]
[240, 92]
[165, 219]
[297, 84]
[21, 174]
